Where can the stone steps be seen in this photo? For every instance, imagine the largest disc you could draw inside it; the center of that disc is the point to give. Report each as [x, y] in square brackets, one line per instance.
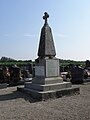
[48, 87]
[45, 95]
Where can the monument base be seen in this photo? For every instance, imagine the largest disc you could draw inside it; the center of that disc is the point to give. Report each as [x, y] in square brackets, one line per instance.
[49, 91]
[47, 82]
[51, 94]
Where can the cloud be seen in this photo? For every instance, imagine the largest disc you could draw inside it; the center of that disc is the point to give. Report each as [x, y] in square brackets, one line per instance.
[30, 35]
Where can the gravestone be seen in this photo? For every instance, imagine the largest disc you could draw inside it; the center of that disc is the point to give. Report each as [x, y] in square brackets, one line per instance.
[26, 74]
[2, 82]
[77, 74]
[6, 74]
[87, 64]
[15, 74]
[47, 82]
[1, 76]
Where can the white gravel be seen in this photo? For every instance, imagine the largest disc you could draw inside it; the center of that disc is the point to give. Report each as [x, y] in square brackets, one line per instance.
[17, 106]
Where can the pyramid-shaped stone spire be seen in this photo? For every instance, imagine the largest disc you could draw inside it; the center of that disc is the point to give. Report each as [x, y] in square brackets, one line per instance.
[46, 45]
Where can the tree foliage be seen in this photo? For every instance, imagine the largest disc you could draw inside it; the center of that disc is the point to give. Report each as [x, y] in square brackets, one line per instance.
[68, 62]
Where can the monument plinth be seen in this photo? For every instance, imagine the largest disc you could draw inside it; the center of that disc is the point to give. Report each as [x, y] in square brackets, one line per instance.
[47, 82]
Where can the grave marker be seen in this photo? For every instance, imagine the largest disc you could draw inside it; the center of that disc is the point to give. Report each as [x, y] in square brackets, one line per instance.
[47, 82]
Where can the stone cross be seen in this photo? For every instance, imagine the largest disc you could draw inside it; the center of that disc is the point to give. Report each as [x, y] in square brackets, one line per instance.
[46, 15]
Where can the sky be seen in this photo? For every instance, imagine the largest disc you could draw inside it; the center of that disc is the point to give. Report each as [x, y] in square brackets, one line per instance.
[21, 22]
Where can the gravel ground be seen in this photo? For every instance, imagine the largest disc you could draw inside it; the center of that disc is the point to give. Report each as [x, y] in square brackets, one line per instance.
[17, 106]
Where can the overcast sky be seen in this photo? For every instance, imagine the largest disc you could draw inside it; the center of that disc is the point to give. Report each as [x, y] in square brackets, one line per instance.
[21, 22]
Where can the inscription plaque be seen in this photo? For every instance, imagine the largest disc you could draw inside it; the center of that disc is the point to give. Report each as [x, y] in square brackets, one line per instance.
[39, 71]
[52, 68]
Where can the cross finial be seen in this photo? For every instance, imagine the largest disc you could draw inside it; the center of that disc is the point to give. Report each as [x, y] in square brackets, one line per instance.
[46, 15]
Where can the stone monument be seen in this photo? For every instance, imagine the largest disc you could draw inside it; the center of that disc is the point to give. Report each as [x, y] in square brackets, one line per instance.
[77, 75]
[47, 82]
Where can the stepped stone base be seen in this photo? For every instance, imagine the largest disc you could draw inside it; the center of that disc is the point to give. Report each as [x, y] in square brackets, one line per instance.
[52, 94]
[48, 91]
[48, 87]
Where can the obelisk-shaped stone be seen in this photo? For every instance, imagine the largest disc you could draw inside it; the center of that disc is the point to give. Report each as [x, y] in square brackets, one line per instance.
[46, 45]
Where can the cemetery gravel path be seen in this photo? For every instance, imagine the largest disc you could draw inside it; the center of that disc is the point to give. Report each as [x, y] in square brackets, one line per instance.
[17, 106]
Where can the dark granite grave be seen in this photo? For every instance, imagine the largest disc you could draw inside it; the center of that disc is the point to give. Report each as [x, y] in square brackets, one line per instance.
[15, 74]
[1, 76]
[77, 74]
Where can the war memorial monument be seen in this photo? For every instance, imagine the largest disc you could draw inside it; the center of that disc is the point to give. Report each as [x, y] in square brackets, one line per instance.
[47, 82]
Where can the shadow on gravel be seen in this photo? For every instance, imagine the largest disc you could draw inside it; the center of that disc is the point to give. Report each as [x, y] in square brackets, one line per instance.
[15, 95]
[10, 96]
